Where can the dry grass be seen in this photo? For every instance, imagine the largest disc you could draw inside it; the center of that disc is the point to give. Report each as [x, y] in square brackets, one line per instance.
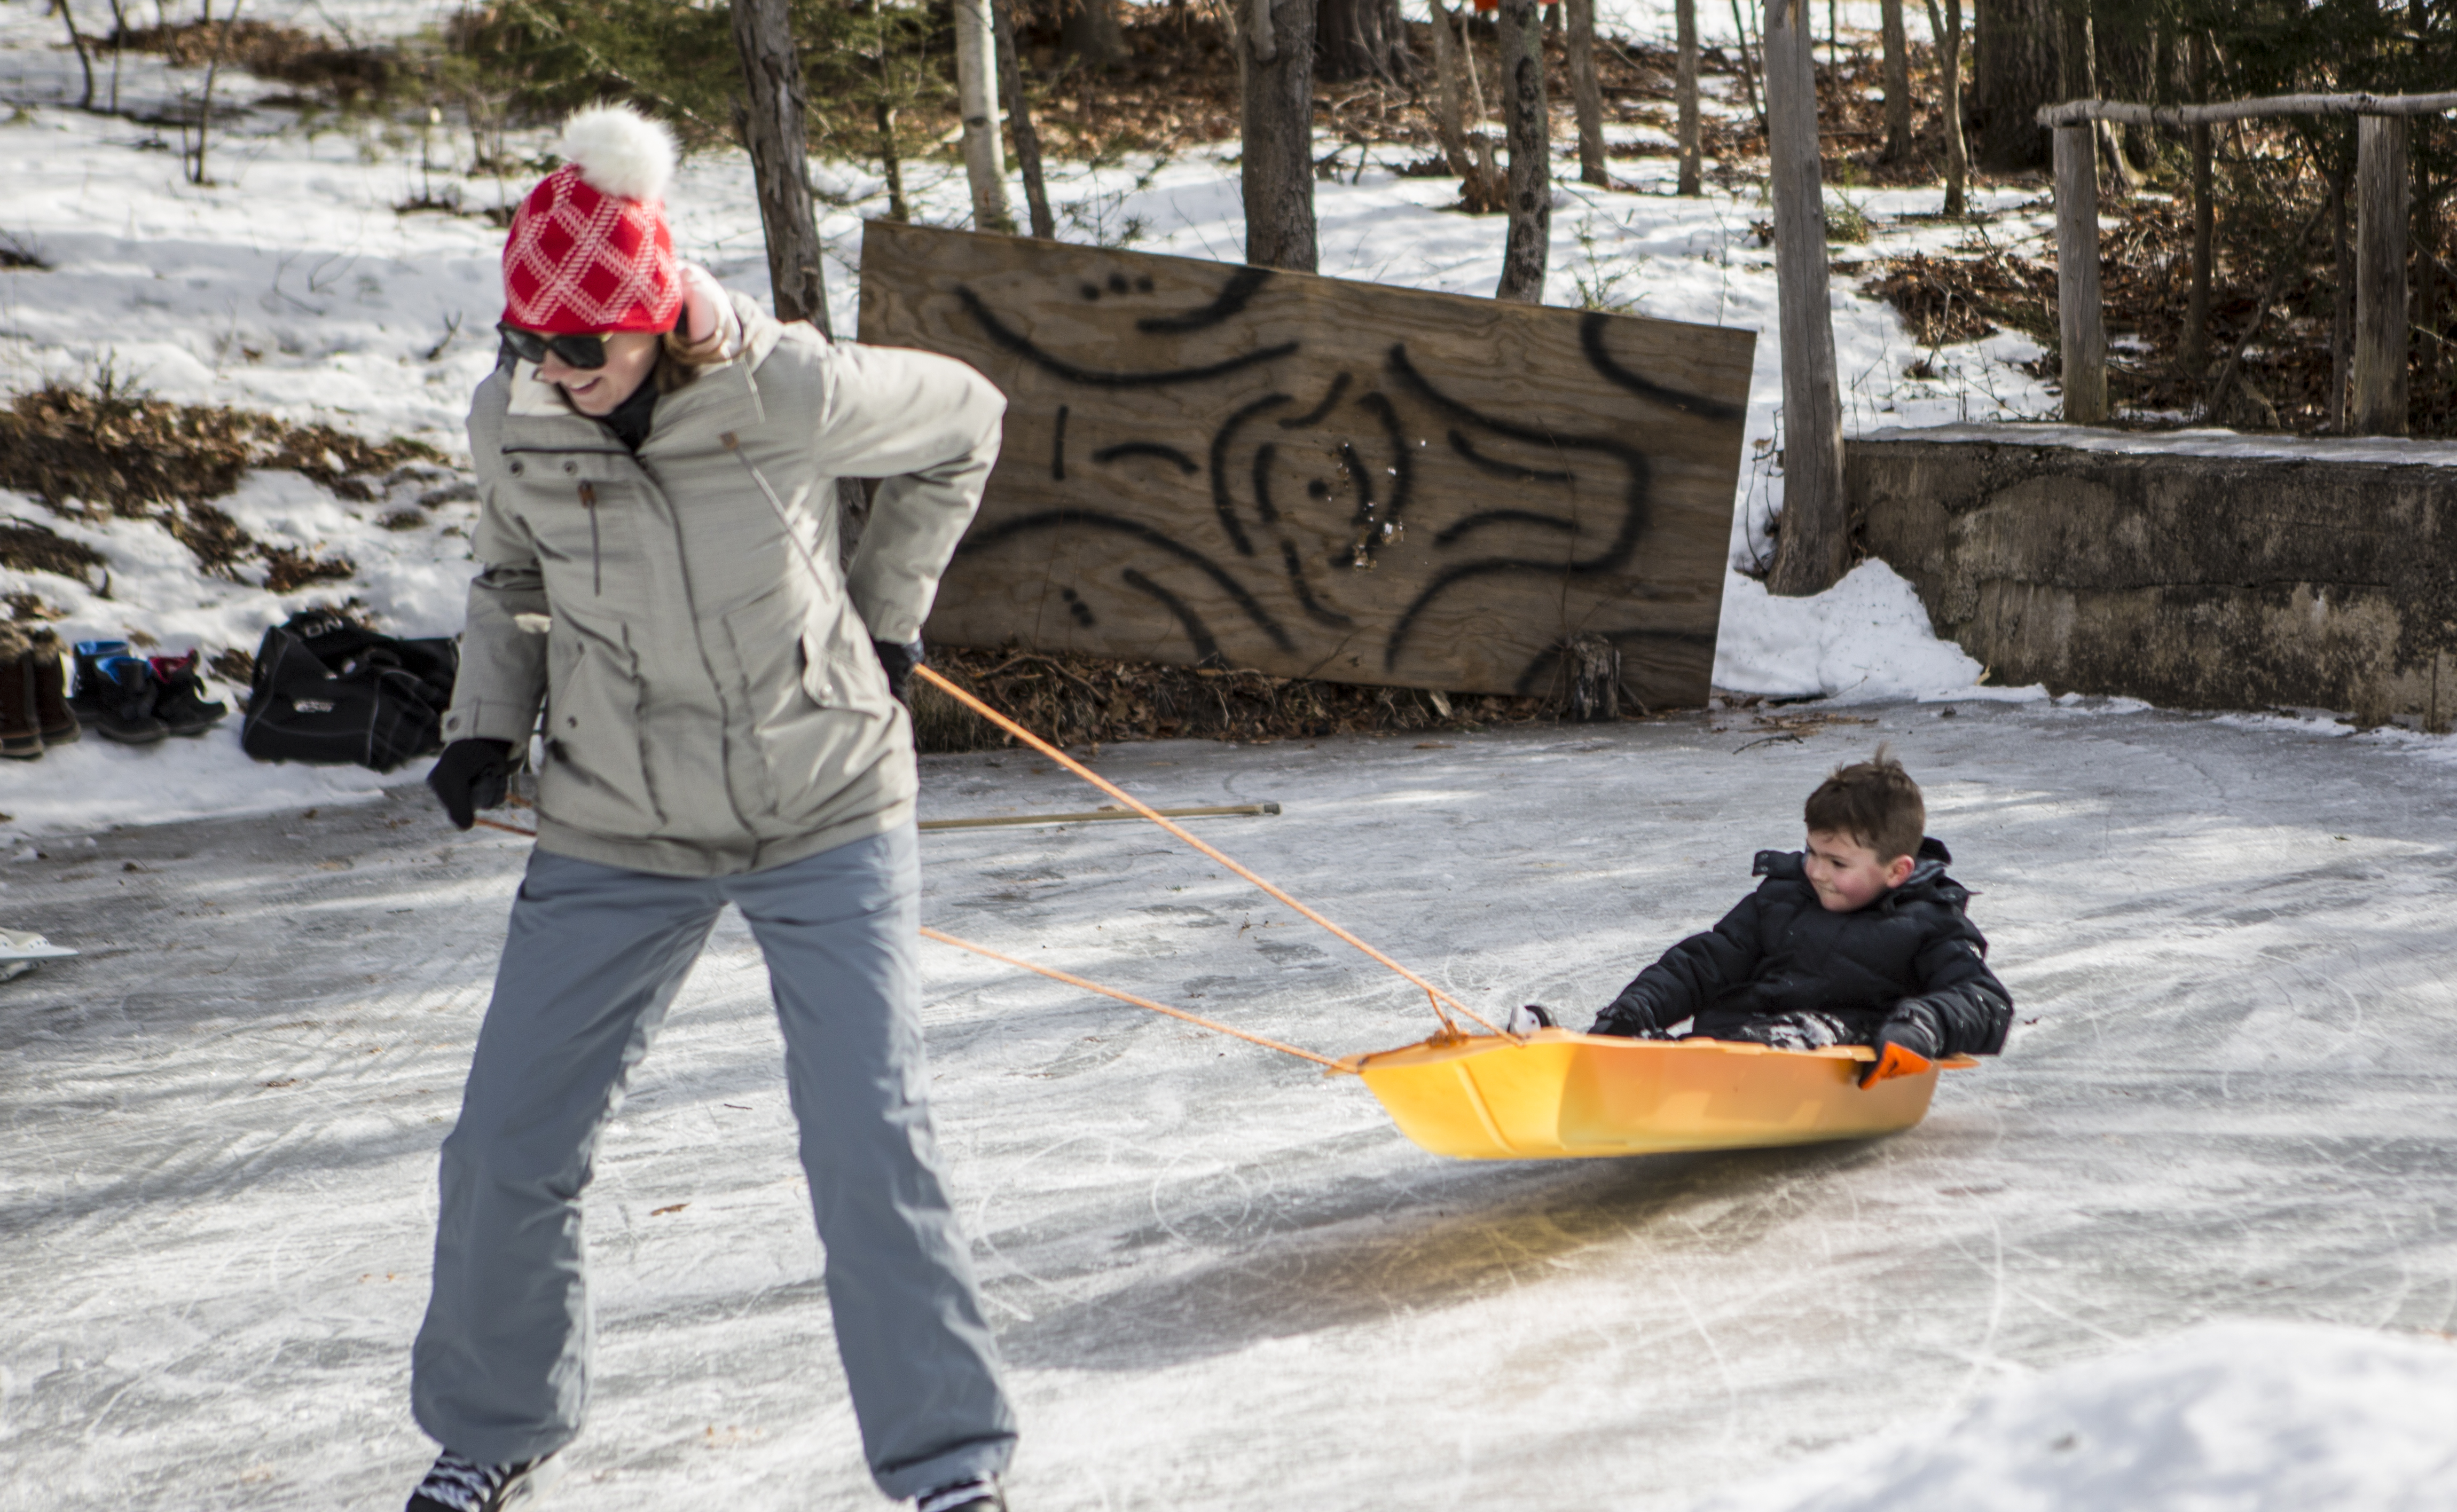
[25, 547]
[268, 50]
[1093, 701]
[100, 451]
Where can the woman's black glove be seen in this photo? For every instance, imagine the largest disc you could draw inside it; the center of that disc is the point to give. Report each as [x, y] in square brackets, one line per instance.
[1630, 1016]
[1908, 1043]
[899, 662]
[470, 775]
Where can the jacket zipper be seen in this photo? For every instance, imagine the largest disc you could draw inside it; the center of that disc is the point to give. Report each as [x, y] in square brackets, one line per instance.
[734, 443]
[596, 567]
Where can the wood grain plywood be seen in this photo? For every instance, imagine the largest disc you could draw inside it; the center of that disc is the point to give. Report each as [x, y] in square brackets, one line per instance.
[1323, 478]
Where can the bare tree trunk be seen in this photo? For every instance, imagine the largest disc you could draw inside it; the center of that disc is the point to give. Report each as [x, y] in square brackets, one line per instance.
[2196, 308]
[977, 107]
[1587, 94]
[118, 39]
[1815, 535]
[212, 70]
[2341, 312]
[1947, 27]
[2017, 71]
[1018, 119]
[1276, 159]
[1685, 93]
[1897, 71]
[1748, 76]
[76, 40]
[891, 164]
[774, 121]
[1090, 32]
[2427, 245]
[1361, 39]
[1529, 129]
[1450, 113]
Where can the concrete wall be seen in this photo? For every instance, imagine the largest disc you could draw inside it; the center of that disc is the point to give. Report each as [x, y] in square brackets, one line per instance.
[2205, 571]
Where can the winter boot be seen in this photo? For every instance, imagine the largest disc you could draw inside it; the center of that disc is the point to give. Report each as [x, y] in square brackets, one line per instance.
[21, 734]
[127, 697]
[51, 712]
[181, 702]
[88, 691]
[979, 1494]
[461, 1486]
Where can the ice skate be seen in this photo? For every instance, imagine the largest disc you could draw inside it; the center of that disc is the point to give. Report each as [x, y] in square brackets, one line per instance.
[977, 1494]
[459, 1486]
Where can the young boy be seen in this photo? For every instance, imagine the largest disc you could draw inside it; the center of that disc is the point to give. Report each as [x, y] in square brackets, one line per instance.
[1859, 940]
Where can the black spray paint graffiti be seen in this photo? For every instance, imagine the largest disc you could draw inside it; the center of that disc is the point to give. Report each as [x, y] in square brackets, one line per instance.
[1352, 447]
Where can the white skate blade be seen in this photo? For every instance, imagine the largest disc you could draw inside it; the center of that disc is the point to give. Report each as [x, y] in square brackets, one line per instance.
[25, 945]
[531, 1486]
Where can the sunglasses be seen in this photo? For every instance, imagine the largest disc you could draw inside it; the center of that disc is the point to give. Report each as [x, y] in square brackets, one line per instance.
[584, 351]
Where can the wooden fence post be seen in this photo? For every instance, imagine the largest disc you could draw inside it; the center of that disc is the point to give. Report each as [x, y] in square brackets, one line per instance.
[1815, 528]
[2079, 321]
[2381, 187]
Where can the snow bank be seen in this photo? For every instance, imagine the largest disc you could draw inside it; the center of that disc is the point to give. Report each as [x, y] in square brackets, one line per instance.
[1866, 638]
[2226, 1417]
[95, 784]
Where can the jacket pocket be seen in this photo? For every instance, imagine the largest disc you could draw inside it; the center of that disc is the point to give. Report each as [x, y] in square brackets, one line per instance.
[580, 508]
[594, 778]
[817, 713]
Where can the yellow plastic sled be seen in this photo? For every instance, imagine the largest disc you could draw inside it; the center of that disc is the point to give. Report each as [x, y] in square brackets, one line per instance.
[1561, 1094]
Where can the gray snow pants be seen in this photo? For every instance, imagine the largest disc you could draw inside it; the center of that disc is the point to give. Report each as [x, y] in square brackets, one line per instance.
[594, 956]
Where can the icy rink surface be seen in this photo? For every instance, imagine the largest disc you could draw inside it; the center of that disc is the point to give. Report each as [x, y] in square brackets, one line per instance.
[1223, 1280]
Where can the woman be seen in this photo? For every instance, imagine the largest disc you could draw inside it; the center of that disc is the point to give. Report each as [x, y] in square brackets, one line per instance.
[722, 723]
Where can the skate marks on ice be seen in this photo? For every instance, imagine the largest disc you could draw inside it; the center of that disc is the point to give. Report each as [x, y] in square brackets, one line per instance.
[1212, 464]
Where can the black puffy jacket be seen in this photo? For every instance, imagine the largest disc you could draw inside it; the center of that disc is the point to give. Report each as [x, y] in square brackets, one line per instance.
[1913, 953]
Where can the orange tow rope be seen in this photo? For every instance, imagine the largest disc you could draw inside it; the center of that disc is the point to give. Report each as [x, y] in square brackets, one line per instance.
[1432, 994]
[1213, 1025]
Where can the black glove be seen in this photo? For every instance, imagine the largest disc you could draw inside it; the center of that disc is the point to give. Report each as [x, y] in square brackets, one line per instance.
[1907, 1044]
[897, 662]
[470, 775]
[1631, 1017]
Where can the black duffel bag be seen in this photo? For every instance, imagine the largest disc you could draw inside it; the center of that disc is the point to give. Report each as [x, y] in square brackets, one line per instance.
[329, 691]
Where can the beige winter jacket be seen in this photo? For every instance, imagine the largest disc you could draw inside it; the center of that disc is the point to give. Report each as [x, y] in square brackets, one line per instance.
[711, 705]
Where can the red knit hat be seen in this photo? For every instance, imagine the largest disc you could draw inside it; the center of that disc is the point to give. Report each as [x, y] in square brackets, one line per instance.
[590, 252]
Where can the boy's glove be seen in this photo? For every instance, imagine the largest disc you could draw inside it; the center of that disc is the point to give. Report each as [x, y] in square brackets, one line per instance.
[899, 662]
[1630, 1017]
[1907, 1044]
[470, 775]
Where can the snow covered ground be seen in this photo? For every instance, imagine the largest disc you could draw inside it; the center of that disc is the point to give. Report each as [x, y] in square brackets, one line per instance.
[1222, 1279]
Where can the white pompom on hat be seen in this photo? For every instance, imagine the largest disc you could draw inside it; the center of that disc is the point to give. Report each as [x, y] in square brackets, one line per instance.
[619, 151]
[590, 252]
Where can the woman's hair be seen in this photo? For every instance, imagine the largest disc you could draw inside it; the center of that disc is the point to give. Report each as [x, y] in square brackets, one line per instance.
[679, 363]
[1875, 803]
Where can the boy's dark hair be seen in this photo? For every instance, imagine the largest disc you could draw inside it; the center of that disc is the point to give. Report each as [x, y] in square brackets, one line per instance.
[1875, 803]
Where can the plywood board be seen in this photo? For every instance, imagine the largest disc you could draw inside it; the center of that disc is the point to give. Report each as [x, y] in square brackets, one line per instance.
[1325, 479]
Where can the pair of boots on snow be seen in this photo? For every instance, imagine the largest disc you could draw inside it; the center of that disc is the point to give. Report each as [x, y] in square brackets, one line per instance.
[134, 700]
[462, 1485]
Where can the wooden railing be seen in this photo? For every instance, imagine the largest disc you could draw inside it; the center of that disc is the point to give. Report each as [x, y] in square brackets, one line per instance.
[2378, 406]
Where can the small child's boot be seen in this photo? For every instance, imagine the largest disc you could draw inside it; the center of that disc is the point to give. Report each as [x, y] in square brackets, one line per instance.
[181, 702]
[127, 698]
[88, 690]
